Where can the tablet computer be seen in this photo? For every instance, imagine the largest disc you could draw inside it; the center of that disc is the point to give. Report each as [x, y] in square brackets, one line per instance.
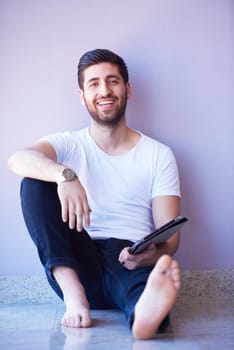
[160, 235]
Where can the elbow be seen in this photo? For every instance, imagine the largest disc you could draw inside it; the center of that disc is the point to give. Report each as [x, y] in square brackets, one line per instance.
[13, 161]
[10, 162]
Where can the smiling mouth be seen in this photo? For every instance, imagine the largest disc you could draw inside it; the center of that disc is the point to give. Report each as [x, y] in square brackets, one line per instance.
[105, 103]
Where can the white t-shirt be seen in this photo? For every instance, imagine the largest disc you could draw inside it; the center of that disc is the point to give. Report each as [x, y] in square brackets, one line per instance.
[119, 188]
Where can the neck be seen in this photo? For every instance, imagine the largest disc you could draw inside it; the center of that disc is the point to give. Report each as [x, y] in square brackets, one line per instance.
[114, 140]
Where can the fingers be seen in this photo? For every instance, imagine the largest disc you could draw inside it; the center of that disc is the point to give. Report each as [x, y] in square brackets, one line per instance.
[147, 257]
[82, 215]
[86, 213]
[76, 218]
[71, 215]
[128, 260]
[79, 215]
[74, 206]
[64, 209]
[123, 256]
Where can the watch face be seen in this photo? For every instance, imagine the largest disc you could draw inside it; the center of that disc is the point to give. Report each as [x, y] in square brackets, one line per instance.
[69, 175]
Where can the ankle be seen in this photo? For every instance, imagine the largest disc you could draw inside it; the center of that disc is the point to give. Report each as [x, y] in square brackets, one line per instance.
[72, 289]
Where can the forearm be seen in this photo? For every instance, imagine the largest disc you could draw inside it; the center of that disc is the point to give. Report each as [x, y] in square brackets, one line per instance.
[150, 255]
[34, 164]
[170, 247]
[166, 208]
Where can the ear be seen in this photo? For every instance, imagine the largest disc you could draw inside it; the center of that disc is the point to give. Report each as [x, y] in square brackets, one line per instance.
[82, 99]
[129, 90]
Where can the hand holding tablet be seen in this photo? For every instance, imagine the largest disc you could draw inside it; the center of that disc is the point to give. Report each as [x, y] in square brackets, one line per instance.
[160, 235]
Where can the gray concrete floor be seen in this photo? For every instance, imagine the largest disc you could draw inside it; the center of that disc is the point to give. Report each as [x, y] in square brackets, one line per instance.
[195, 324]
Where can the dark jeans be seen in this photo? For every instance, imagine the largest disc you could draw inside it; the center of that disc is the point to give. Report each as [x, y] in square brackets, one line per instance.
[107, 283]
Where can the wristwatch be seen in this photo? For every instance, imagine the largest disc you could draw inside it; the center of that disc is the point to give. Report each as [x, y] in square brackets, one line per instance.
[67, 175]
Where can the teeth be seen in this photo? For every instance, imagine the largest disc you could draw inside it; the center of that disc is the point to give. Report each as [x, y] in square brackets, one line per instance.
[105, 103]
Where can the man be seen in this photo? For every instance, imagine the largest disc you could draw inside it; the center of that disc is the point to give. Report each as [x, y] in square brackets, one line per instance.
[89, 194]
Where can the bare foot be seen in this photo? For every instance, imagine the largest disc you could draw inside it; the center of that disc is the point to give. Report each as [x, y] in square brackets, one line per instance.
[157, 299]
[77, 313]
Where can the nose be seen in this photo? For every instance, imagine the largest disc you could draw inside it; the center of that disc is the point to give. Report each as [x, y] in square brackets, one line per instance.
[104, 89]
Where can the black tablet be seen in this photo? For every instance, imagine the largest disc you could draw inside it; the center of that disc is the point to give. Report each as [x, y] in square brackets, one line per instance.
[160, 235]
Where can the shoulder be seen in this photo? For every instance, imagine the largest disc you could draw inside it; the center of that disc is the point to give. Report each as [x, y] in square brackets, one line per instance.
[153, 144]
[156, 152]
[67, 136]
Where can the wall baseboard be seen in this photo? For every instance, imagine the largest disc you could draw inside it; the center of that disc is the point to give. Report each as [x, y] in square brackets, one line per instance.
[195, 284]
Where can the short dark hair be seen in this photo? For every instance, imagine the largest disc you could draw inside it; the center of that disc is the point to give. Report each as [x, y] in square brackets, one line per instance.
[98, 56]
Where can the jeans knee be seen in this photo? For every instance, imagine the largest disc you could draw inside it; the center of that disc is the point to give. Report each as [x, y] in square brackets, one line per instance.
[29, 185]
[33, 189]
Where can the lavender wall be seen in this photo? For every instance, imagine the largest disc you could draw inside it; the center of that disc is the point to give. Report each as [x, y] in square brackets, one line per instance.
[180, 57]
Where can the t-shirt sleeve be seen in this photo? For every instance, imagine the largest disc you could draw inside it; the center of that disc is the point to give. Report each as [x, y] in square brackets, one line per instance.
[63, 145]
[166, 180]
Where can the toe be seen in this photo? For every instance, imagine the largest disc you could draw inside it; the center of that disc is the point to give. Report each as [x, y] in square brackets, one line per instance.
[164, 263]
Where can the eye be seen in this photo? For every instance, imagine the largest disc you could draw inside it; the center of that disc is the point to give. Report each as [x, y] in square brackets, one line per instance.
[93, 84]
[113, 81]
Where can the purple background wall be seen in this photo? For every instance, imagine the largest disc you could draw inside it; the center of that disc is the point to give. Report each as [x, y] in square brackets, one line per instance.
[180, 58]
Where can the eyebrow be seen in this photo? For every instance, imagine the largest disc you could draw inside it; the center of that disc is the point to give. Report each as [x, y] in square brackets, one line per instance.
[107, 77]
